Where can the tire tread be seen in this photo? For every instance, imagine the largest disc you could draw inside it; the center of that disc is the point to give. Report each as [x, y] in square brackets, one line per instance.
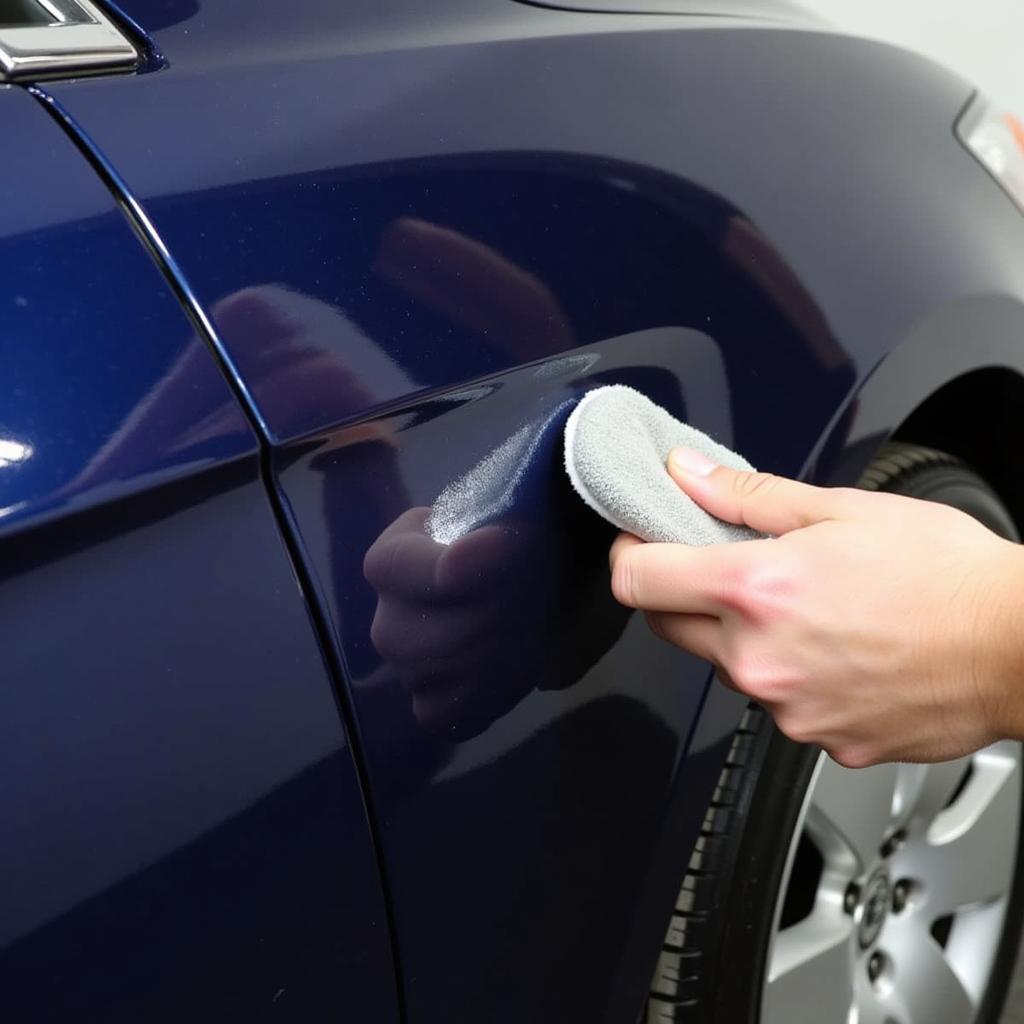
[678, 977]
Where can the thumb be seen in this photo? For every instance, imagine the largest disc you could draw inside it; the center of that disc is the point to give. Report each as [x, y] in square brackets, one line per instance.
[762, 501]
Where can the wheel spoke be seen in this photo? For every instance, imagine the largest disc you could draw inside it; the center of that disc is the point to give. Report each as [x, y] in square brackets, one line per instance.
[872, 1007]
[851, 810]
[968, 854]
[811, 972]
[927, 987]
[922, 790]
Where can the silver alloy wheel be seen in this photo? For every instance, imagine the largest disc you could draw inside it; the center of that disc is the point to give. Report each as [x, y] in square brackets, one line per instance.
[917, 863]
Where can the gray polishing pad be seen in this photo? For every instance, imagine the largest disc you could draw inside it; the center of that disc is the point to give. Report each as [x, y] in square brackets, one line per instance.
[616, 445]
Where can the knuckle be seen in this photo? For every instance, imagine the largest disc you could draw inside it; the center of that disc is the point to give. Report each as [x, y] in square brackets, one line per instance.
[732, 587]
[625, 582]
[750, 485]
[747, 671]
[763, 678]
[761, 588]
[741, 678]
[853, 756]
[766, 590]
[743, 674]
[725, 679]
[798, 731]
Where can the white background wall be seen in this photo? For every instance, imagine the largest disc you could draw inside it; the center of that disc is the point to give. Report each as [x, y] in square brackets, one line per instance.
[983, 40]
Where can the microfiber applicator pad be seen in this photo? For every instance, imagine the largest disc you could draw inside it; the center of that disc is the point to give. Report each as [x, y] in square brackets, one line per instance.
[616, 445]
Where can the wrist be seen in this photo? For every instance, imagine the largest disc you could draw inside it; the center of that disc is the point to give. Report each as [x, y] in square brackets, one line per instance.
[1001, 621]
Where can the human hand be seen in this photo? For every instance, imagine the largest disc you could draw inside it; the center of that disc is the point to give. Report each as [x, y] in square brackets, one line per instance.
[877, 626]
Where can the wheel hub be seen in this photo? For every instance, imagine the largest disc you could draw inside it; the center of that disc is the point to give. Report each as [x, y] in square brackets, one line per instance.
[874, 908]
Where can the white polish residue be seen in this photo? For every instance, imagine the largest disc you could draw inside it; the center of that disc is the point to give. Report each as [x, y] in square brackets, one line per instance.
[488, 490]
[13, 452]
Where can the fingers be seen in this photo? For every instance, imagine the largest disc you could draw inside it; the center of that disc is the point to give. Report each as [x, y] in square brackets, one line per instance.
[678, 578]
[701, 635]
[762, 501]
[676, 586]
[623, 543]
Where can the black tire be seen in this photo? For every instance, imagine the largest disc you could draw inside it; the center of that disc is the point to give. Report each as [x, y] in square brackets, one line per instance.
[711, 969]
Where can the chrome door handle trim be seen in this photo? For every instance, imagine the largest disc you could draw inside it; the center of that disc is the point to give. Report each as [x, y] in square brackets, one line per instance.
[79, 39]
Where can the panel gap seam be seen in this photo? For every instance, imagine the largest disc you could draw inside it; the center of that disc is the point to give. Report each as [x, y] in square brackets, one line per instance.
[146, 232]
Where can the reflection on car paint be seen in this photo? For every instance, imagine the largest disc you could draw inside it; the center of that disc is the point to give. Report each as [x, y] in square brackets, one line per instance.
[89, 348]
[422, 274]
[184, 836]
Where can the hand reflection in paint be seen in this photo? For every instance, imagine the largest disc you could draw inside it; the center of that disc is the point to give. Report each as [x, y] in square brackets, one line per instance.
[470, 628]
[448, 620]
[473, 611]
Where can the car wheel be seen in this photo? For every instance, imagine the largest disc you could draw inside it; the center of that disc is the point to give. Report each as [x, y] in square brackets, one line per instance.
[822, 895]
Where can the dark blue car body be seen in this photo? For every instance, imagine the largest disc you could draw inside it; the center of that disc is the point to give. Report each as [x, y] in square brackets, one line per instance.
[273, 292]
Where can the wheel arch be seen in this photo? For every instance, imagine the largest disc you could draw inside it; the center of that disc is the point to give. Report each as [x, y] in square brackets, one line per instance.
[956, 384]
[979, 418]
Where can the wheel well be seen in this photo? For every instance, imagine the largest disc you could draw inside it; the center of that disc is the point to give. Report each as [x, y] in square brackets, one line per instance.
[978, 417]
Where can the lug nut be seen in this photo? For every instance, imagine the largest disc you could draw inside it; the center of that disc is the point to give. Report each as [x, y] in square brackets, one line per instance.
[851, 897]
[900, 895]
[876, 964]
[893, 843]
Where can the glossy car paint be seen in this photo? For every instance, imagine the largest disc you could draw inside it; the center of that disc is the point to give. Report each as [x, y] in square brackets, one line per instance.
[419, 232]
[88, 329]
[183, 832]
